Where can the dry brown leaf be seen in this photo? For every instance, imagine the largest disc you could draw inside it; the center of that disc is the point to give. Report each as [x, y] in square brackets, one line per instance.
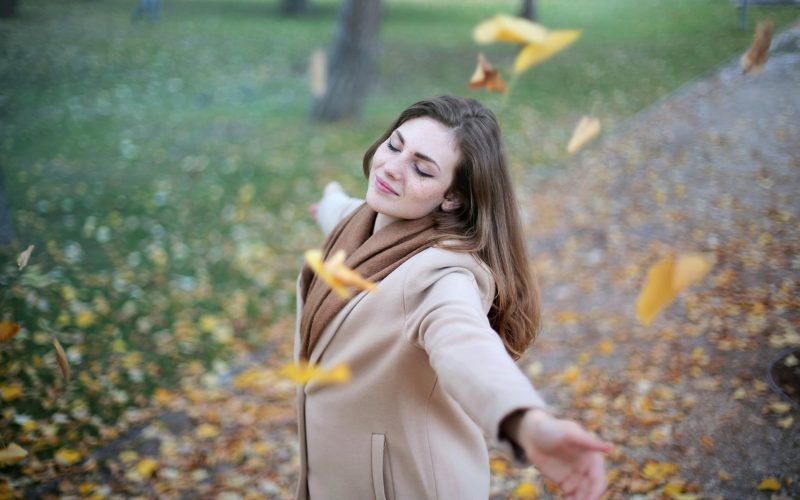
[61, 356]
[486, 76]
[22, 260]
[756, 56]
[587, 129]
[8, 330]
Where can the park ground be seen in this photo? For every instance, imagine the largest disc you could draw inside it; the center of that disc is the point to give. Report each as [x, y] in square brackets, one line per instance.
[163, 170]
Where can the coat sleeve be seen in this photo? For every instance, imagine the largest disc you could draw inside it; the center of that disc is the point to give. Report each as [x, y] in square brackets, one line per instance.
[446, 316]
[333, 208]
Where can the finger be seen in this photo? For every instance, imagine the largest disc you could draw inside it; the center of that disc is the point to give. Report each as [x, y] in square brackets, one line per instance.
[585, 440]
[597, 473]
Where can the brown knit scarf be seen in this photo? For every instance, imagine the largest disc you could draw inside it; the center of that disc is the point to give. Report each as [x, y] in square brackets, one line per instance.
[374, 256]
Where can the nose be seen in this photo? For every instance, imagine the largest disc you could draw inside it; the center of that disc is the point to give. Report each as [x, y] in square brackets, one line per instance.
[393, 168]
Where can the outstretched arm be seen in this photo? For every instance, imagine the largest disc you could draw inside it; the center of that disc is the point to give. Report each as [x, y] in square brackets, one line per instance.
[562, 450]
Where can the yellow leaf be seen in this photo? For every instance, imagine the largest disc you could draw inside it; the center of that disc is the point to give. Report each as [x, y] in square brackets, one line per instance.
[84, 319]
[336, 274]
[786, 423]
[498, 466]
[779, 407]
[146, 467]
[303, 373]
[526, 491]
[22, 260]
[485, 76]
[769, 484]
[206, 431]
[66, 456]
[586, 130]
[756, 56]
[536, 52]
[12, 454]
[659, 471]
[723, 475]
[62, 359]
[503, 28]
[8, 330]
[86, 488]
[10, 392]
[666, 279]
[571, 375]
[606, 347]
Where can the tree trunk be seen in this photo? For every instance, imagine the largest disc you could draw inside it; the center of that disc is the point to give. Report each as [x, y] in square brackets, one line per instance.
[8, 8]
[294, 7]
[351, 67]
[529, 10]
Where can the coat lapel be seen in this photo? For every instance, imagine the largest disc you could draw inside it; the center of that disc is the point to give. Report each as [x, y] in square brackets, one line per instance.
[333, 327]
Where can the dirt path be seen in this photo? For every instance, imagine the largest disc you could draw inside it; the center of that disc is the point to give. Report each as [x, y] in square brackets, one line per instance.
[713, 168]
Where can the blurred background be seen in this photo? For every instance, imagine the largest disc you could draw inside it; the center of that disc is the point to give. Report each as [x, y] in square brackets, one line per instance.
[161, 157]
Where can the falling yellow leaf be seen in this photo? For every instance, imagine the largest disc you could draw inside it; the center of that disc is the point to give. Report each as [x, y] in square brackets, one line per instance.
[146, 467]
[12, 454]
[769, 484]
[504, 28]
[8, 330]
[526, 491]
[318, 72]
[67, 456]
[756, 56]
[303, 373]
[23, 258]
[666, 279]
[206, 431]
[485, 76]
[62, 359]
[587, 129]
[537, 52]
[336, 274]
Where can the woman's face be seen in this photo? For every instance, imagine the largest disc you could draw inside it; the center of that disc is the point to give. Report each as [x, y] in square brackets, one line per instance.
[412, 170]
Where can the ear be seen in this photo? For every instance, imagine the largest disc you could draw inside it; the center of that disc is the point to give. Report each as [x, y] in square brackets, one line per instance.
[451, 203]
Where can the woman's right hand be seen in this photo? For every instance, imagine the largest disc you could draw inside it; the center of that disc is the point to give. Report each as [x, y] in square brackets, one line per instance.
[331, 187]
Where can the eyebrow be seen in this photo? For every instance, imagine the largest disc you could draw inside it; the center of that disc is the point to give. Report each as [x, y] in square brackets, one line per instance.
[417, 154]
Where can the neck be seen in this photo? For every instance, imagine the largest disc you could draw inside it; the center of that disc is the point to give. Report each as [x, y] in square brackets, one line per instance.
[381, 221]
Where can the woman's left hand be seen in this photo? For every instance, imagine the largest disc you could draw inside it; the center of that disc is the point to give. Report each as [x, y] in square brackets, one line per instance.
[564, 452]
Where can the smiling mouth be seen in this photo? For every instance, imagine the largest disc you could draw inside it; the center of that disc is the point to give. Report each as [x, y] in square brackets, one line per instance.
[385, 187]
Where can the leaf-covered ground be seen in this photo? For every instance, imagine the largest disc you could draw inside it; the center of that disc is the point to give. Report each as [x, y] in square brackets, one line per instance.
[687, 399]
[163, 173]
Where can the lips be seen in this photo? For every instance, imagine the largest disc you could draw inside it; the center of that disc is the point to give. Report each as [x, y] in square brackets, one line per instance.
[385, 187]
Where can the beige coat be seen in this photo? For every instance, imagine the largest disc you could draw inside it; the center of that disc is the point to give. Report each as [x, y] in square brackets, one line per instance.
[428, 376]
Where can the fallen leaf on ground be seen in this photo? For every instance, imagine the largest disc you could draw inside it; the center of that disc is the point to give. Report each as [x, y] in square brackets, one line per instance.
[12, 454]
[769, 484]
[586, 130]
[67, 456]
[8, 330]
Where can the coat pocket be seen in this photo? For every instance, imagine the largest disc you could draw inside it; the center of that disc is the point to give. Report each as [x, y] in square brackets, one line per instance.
[382, 484]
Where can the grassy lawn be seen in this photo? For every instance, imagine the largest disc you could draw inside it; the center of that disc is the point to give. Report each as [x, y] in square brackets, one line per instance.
[163, 170]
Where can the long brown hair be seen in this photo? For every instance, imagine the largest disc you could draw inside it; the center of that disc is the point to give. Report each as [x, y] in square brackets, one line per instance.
[487, 222]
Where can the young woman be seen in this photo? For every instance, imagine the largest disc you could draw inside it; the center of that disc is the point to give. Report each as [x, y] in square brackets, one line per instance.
[432, 351]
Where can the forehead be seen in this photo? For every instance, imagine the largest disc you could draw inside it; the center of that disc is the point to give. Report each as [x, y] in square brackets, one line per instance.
[430, 137]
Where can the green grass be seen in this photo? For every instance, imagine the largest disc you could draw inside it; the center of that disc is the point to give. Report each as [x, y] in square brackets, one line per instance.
[163, 171]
